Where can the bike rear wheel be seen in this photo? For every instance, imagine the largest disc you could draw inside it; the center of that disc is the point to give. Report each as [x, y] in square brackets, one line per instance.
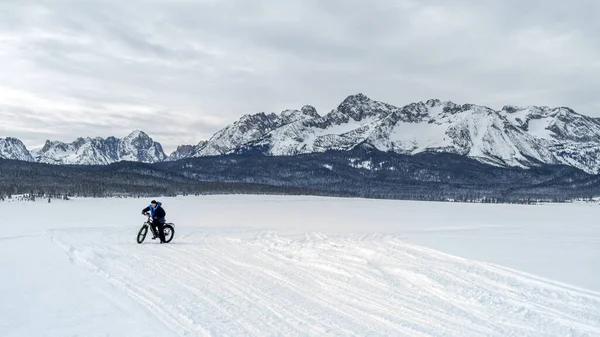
[142, 233]
[169, 232]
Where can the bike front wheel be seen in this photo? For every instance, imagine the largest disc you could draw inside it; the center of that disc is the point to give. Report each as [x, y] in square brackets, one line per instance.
[142, 233]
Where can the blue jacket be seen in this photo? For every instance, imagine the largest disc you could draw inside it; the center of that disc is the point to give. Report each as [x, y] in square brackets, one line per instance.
[158, 213]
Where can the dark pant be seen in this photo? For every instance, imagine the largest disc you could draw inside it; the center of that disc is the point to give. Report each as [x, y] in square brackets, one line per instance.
[159, 228]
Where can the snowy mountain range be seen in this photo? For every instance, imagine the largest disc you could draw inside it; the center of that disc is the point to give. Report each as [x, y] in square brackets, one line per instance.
[513, 136]
[137, 146]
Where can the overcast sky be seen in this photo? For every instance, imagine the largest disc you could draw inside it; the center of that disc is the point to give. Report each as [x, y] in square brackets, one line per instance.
[182, 69]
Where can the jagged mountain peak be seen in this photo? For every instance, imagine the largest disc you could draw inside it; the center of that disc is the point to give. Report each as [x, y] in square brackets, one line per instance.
[256, 121]
[257, 117]
[137, 134]
[47, 145]
[137, 140]
[80, 141]
[420, 111]
[310, 110]
[543, 109]
[13, 148]
[433, 102]
[532, 109]
[359, 107]
[417, 109]
[290, 114]
[11, 140]
[358, 97]
[305, 113]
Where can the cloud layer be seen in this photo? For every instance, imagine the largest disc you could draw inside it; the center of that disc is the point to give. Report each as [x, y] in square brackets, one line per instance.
[181, 69]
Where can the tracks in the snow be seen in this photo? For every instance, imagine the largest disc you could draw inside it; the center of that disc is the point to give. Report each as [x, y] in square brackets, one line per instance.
[218, 283]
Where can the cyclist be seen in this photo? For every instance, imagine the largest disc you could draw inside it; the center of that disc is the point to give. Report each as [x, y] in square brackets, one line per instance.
[158, 218]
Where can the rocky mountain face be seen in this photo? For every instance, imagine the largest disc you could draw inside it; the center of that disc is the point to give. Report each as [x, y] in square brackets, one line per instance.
[12, 148]
[137, 146]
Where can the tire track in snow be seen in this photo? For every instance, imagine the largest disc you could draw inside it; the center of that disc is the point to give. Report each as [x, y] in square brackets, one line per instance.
[134, 291]
[220, 283]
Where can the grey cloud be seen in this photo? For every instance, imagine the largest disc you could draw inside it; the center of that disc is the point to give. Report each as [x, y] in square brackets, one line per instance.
[182, 69]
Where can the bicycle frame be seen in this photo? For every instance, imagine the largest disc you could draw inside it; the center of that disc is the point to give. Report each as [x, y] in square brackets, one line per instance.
[150, 221]
[169, 230]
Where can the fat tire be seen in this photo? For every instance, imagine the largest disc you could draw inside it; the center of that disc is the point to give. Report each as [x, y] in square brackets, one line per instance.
[142, 234]
[172, 230]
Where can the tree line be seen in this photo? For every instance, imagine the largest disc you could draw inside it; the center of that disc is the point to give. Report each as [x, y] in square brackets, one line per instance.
[428, 177]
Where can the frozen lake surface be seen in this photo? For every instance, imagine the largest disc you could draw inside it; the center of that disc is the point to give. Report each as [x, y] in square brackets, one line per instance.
[270, 265]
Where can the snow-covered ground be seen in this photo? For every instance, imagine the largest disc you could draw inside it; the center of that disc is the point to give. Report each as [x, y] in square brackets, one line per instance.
[266, 265]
